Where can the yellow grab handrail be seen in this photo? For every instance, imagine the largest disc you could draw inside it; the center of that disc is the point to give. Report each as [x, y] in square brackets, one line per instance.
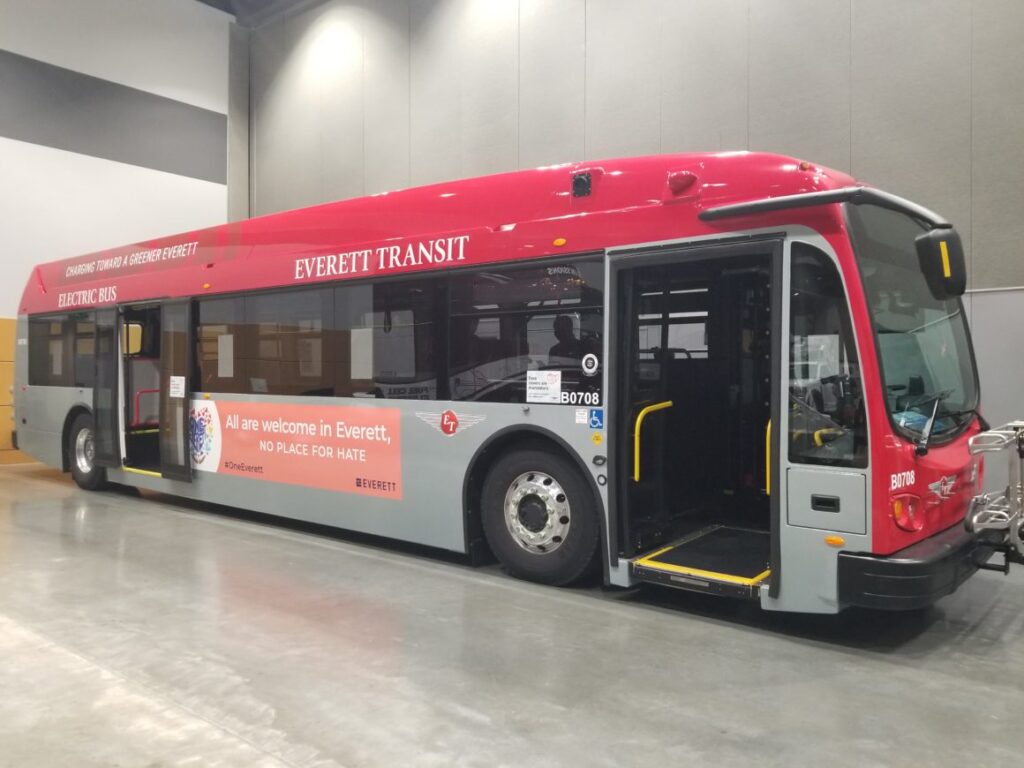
[768, 459]
[636, 434]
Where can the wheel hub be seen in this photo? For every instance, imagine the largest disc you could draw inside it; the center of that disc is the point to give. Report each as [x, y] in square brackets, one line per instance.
[85, 451]
[537, 512]
[533, 513]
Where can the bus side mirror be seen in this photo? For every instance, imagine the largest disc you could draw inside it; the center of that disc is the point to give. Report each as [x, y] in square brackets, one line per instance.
[941, 257]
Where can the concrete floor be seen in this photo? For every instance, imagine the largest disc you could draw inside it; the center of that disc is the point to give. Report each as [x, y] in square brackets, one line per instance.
[151, 632]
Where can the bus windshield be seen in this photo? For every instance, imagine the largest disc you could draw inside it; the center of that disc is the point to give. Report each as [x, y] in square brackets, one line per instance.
[923, 344]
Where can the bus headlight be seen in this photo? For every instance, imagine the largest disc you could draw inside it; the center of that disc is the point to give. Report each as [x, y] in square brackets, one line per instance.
[905, 510]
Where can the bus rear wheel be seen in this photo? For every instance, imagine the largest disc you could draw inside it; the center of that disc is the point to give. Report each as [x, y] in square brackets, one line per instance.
[82, 454]
[539, 517]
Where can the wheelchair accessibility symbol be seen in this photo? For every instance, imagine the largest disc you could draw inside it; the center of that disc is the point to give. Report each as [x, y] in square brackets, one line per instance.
[597, 418]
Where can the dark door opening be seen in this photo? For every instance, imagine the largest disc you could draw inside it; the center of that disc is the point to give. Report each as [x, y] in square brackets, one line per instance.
[141, 352]
[156, 385]
[696, 401]
[107, 426]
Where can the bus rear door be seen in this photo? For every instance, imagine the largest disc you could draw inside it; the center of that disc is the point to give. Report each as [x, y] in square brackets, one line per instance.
[175, 372]
[105, 391]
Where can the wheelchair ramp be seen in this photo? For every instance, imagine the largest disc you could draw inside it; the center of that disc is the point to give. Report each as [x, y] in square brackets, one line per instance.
[718, 559]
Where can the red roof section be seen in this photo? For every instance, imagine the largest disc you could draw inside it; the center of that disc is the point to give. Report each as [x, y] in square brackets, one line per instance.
[503, 217]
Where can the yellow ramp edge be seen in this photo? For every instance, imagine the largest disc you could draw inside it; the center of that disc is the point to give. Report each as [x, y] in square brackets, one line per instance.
[647, 561]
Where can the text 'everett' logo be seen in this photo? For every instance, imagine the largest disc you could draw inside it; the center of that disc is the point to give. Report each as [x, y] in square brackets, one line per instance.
[449, 422]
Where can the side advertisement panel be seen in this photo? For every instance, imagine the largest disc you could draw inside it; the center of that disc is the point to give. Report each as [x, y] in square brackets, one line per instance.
[338, 448]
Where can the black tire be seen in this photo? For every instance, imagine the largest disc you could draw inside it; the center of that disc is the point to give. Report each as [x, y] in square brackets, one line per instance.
[537, 555]
[81, 457]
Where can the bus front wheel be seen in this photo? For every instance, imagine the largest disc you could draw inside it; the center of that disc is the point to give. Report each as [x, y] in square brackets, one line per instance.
[539, 517]
[82, 454]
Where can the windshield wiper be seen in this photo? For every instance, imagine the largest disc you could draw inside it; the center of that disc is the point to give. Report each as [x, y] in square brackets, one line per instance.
[926, 433]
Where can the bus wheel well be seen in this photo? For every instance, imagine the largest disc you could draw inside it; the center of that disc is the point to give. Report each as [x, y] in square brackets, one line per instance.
[480, 465]
[65, 435]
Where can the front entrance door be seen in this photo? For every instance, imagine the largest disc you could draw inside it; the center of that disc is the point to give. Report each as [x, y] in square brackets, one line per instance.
[698, 385]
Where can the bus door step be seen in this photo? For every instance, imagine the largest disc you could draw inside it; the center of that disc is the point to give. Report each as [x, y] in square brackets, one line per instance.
[719, 559]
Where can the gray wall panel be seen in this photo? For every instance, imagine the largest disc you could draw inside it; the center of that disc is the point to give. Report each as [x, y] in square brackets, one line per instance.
[623, 87]
[386, 96]
[703, 64]
[238, 123]
[997, 141]
[487, 41]
[271, 176]
[996, 321]
[464, 89]
[800, 98]
[56, 107]
[435, 120]
[923, 97]
[335, 39]
[912, 102]
[552, 75]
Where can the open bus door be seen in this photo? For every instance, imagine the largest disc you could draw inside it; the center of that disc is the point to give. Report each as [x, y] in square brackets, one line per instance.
[105, 391]
[699, 384]
[175, 372]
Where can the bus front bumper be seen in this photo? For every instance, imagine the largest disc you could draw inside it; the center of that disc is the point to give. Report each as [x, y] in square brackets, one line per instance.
[914, 577]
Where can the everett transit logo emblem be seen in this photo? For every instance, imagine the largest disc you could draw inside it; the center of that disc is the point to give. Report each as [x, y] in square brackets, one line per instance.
[449, 422]
[943, 487]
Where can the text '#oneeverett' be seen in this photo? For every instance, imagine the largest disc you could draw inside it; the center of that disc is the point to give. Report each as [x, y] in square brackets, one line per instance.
[441, 250]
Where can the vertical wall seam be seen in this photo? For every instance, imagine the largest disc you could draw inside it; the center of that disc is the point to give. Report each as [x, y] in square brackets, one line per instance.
[661, 100]
[249, 177]
[408, 97]
[750, 23]
[970, 147]
[519, 78]
[363, 87]
[849, 75]
[586, 52]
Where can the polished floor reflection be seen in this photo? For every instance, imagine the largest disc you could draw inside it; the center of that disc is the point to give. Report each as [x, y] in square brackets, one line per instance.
[148, 631]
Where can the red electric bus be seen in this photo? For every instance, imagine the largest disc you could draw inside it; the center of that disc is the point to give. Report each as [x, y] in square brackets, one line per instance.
[734, 373]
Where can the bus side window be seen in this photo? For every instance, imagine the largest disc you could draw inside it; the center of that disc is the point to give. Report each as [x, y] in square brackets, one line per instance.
[396, 344]
[49, 361]
[508, 322]
[284, 343]
[825, 396]
[220, 348]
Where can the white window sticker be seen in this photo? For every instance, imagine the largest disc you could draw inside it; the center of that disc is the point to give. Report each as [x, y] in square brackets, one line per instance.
[543, 386]
[177, 387]
[226, 356]
[582, 416]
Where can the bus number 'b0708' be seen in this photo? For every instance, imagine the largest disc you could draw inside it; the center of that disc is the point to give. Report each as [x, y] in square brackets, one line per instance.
[581, 398]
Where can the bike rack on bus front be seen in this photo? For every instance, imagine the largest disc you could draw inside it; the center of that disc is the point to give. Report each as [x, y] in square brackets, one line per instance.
[1001, 512]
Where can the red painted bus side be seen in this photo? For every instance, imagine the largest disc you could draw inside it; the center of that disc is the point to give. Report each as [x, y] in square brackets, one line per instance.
[520, 215]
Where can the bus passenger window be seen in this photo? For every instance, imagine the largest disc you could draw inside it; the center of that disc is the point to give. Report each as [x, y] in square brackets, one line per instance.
[826, 399]
[507, 323]
[221, 323]
[384, 339]
[286, 351]
[49, 362]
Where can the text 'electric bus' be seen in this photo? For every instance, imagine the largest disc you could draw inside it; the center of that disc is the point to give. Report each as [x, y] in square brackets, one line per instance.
[733, 373]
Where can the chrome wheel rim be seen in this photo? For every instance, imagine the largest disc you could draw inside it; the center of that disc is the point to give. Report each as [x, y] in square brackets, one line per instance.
[85, 451]
[537, 512]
